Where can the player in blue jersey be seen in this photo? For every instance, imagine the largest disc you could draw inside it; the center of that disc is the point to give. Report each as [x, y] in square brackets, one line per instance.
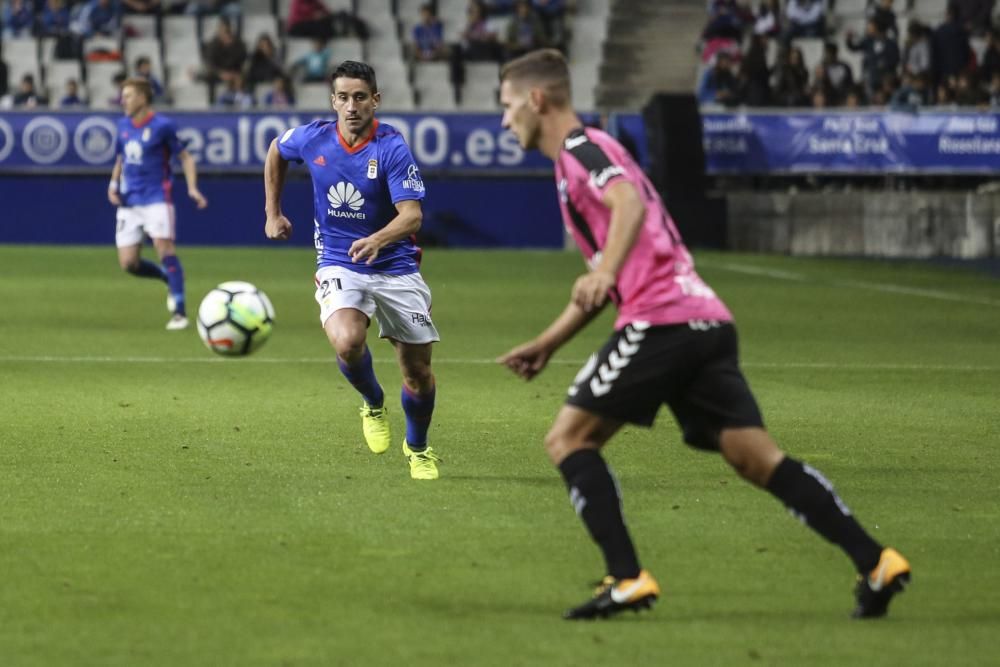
[367, 192]
[141, 184]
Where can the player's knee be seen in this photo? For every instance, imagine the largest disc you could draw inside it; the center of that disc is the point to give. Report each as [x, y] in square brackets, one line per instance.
[751, 453]
[349, 351]
[129, 265]
[418, 379]
[560, 443]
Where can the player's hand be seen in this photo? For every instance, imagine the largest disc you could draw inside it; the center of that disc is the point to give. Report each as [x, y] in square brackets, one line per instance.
[362, 249]
[526, 360]
[591, 290]
[114, 198]
[199, 199]
[278, 228]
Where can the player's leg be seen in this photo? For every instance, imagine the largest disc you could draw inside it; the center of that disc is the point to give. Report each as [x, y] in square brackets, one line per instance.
[404, 317]
[808, 495]
[573, 445]
[128, 239]
[160, 227]
[345, 311]
[417, 397]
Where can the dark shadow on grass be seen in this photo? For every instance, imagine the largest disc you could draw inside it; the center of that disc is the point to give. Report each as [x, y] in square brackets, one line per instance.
[546, 480]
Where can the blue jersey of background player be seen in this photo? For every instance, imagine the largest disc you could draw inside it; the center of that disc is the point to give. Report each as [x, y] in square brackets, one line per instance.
[355, 191]
[141, 183]
[367, 191]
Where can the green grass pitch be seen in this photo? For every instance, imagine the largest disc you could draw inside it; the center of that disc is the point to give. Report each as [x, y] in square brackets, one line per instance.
[162, 506]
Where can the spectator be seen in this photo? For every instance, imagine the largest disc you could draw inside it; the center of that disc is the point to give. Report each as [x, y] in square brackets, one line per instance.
[55, 19]
[724, 24]
[233, 95]
[4, 73]
[917, 49]
[995, 91]
[280, 96]
[224, 54]
[226, 8]
[806, 18]
[881, 12]
[524, 31]
[99, 17]
[311, 18]
[880, 56]
[967, 91]
[552, 13]
[27, 96]
[144, 70]
[790, 78]
[18, 18]
[142, 6]
[71, 97]
[975, 15]
[817, 98]
[754, 77]
[117, 80]
[768, 19]
[719, 85]
[428, 36]
[945, 95]
[855, 98]
[912, 95]
[950, 46]
[264, 64]
[478, 42]
[835, 74]
[314, 65]
[990, 64]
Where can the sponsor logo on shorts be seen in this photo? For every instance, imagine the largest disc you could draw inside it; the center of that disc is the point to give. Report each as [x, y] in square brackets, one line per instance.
[420, 319]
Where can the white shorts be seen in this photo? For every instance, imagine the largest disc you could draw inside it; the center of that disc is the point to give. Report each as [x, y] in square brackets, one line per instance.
[155, 220]
[401, 304]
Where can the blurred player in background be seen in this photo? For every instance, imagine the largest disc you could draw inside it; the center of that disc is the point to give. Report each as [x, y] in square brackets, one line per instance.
[141, 185]
[674, 342]
[367, 192]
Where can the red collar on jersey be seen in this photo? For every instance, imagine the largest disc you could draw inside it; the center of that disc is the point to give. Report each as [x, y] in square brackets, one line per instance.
[355, 149]
[144, 121]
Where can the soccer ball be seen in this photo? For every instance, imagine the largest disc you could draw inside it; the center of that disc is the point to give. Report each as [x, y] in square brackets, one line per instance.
[235, 318]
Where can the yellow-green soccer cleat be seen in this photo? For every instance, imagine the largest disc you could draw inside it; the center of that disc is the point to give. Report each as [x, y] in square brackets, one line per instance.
[375, 424]
[874, 591]
[423, 465]
[616, 595]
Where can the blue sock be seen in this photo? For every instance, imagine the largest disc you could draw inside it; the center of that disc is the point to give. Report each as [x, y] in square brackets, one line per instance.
[361, 375]
[418, 410]
[147, 269]
[175, 281]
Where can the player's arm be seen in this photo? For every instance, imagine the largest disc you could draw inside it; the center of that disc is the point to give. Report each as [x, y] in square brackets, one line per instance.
[191, 177]
[116, 174]
[627, 215]
[528, 359]
[276, 226]
[409, 216]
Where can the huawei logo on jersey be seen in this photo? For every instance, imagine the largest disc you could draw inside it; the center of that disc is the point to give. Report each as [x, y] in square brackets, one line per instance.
[345, 195]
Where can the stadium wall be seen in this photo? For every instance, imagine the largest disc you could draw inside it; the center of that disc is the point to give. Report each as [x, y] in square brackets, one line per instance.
[963, 225]
[522, 212]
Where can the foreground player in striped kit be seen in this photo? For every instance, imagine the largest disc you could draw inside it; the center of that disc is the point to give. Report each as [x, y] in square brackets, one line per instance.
[674, 343]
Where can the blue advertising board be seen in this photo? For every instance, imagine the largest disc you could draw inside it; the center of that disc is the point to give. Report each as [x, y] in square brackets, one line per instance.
[852, 143]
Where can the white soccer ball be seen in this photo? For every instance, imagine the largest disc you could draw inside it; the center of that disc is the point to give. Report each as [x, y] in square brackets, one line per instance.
[235, 318]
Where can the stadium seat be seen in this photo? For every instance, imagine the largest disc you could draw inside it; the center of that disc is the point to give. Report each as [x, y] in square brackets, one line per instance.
[260, 7]
[850, 8]
[139, 25]
[255, 25]
[812, 51]
[57, 73]
[144, 46]
[479, 93]
[101, 84]
[191, 96]
[931, 12]
[584, 77]
[313, 96]
[21, 56]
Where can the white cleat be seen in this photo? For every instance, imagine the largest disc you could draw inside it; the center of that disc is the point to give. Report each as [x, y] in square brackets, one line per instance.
[177, 322]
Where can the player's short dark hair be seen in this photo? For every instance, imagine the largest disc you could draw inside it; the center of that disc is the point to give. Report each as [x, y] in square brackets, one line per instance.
[352, 69]
[546, 68]
[141, 85]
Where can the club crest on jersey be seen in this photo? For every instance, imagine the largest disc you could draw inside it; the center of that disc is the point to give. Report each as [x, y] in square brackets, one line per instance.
[373, 168]
[133, 152]
[344, 195]
[413, 180]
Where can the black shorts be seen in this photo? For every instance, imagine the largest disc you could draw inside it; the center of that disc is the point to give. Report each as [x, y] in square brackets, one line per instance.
[692, 367]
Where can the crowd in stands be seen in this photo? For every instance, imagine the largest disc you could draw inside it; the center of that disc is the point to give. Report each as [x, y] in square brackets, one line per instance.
[756, 58]
[242, 78]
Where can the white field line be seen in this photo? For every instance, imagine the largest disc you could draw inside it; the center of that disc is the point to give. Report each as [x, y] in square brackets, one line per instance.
[958, 368]
[891, 288]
